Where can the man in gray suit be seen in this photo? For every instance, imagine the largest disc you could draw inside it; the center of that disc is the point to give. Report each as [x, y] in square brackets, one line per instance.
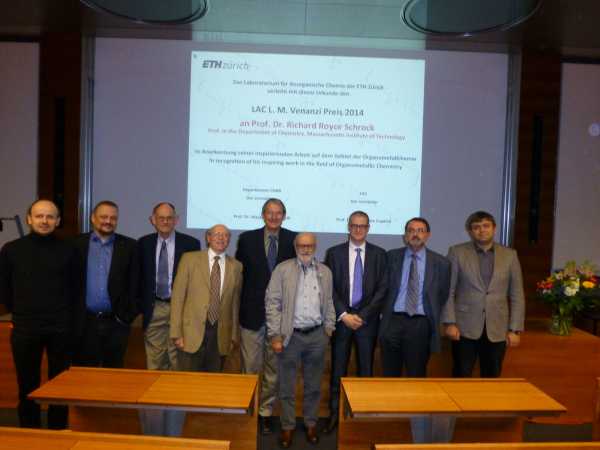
[300, 320]
[485, 311]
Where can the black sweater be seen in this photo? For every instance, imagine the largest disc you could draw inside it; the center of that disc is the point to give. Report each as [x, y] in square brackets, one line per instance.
[39, 282]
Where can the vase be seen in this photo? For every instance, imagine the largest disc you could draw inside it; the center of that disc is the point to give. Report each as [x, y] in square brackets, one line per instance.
[561, 324]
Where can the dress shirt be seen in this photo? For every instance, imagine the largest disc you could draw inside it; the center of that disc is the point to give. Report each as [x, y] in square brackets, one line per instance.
[98, 268]
[211, 261]
[307, 310]
[486, 264]
[421, 255]
[352, 261]
[170, 256]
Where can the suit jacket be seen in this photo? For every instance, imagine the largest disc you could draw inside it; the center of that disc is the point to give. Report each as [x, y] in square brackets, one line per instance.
[251, 253]
[435, 290]
[374, 280]
[281, 299]
[147, 252]
[500, 306]
[123, 278]
[190, 298]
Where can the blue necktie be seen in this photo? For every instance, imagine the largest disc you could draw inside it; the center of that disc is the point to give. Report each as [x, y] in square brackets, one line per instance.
[272, 252]
[412, 293]
[162, 282]
[357, 291]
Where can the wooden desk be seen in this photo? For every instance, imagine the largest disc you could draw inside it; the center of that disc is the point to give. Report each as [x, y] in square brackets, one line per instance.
[488, 409]
[497, 446]
[223, 406]
[28, 439]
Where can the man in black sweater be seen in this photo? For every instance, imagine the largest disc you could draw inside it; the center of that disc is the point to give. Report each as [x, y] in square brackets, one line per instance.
[39, 284]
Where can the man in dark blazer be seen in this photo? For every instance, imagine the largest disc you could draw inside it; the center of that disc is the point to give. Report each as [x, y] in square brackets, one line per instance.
[160, 253]
[419, 282]
[110, 285]
[359, 287]
[260, 251]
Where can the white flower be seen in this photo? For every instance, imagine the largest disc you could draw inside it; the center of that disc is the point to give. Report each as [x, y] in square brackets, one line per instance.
[570, 291]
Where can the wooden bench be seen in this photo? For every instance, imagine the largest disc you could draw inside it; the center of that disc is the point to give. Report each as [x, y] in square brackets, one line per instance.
[219, 406]
[493, 410]
[494, 446]
[30, 439]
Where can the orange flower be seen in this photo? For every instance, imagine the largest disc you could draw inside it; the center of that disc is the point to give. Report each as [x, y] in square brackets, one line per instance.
[588, 284]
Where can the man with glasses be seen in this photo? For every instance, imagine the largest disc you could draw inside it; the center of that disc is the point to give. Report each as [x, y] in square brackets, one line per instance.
[260, 251]
[359, 287]
[419, 282]
[300, 320]
[205, 305]
[160, 253]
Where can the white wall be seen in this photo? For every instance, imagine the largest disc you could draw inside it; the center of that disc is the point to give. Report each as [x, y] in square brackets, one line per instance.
[577, 222]
[19, 96]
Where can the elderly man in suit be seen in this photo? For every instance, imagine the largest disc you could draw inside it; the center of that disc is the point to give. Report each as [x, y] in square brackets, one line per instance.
[110, 287]
[260, 251]
[160, 253]
[486, 305]
[205, 304]
[419, 281]
[359, 287]
[300, 320]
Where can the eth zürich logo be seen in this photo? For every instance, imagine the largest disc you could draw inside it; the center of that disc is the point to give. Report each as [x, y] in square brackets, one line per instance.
[218, 64]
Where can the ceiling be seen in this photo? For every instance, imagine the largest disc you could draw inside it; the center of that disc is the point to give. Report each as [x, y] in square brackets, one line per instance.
[569, 27]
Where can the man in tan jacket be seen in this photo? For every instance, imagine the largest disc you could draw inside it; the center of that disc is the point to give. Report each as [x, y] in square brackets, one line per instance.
[205, 305]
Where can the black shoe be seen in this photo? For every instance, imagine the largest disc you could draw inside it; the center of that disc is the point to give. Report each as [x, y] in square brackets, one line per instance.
[332, 423]
[266, 424]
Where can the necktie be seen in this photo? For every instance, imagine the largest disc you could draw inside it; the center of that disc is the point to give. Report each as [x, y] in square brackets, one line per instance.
[215, 292]
[272, 252]
[412, 293]
[162, 278]
[357, 291]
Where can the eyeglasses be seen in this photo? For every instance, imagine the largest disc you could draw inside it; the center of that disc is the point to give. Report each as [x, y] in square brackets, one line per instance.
[416, 230]
[359, 226]
[305, 246]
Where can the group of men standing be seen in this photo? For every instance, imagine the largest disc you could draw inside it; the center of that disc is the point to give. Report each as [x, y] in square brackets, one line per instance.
[76, 300]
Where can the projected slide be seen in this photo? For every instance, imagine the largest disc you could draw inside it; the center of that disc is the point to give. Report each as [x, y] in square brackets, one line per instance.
[328, 135]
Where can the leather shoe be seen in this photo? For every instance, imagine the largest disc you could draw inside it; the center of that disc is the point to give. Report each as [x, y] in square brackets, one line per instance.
[311, 435]
[266, 424]
[285, 438]
[332, 423]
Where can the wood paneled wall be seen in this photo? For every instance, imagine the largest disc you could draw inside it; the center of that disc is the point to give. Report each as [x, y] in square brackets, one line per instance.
[538, 126]
[59, 133]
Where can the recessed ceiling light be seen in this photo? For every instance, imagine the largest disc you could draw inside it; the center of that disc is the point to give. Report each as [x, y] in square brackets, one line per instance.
[464, 18]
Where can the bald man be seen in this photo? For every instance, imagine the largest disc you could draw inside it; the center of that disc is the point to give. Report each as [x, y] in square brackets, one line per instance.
[39, 284]
[205, 304]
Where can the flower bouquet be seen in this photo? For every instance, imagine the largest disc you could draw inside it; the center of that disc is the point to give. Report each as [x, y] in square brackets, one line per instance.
[569, 291]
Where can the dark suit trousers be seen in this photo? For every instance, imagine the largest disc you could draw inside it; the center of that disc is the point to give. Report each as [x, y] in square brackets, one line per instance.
[405, 343]
[104, 342]
[341, 347]
[466, 351]
[207, 358]
[27, 350]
